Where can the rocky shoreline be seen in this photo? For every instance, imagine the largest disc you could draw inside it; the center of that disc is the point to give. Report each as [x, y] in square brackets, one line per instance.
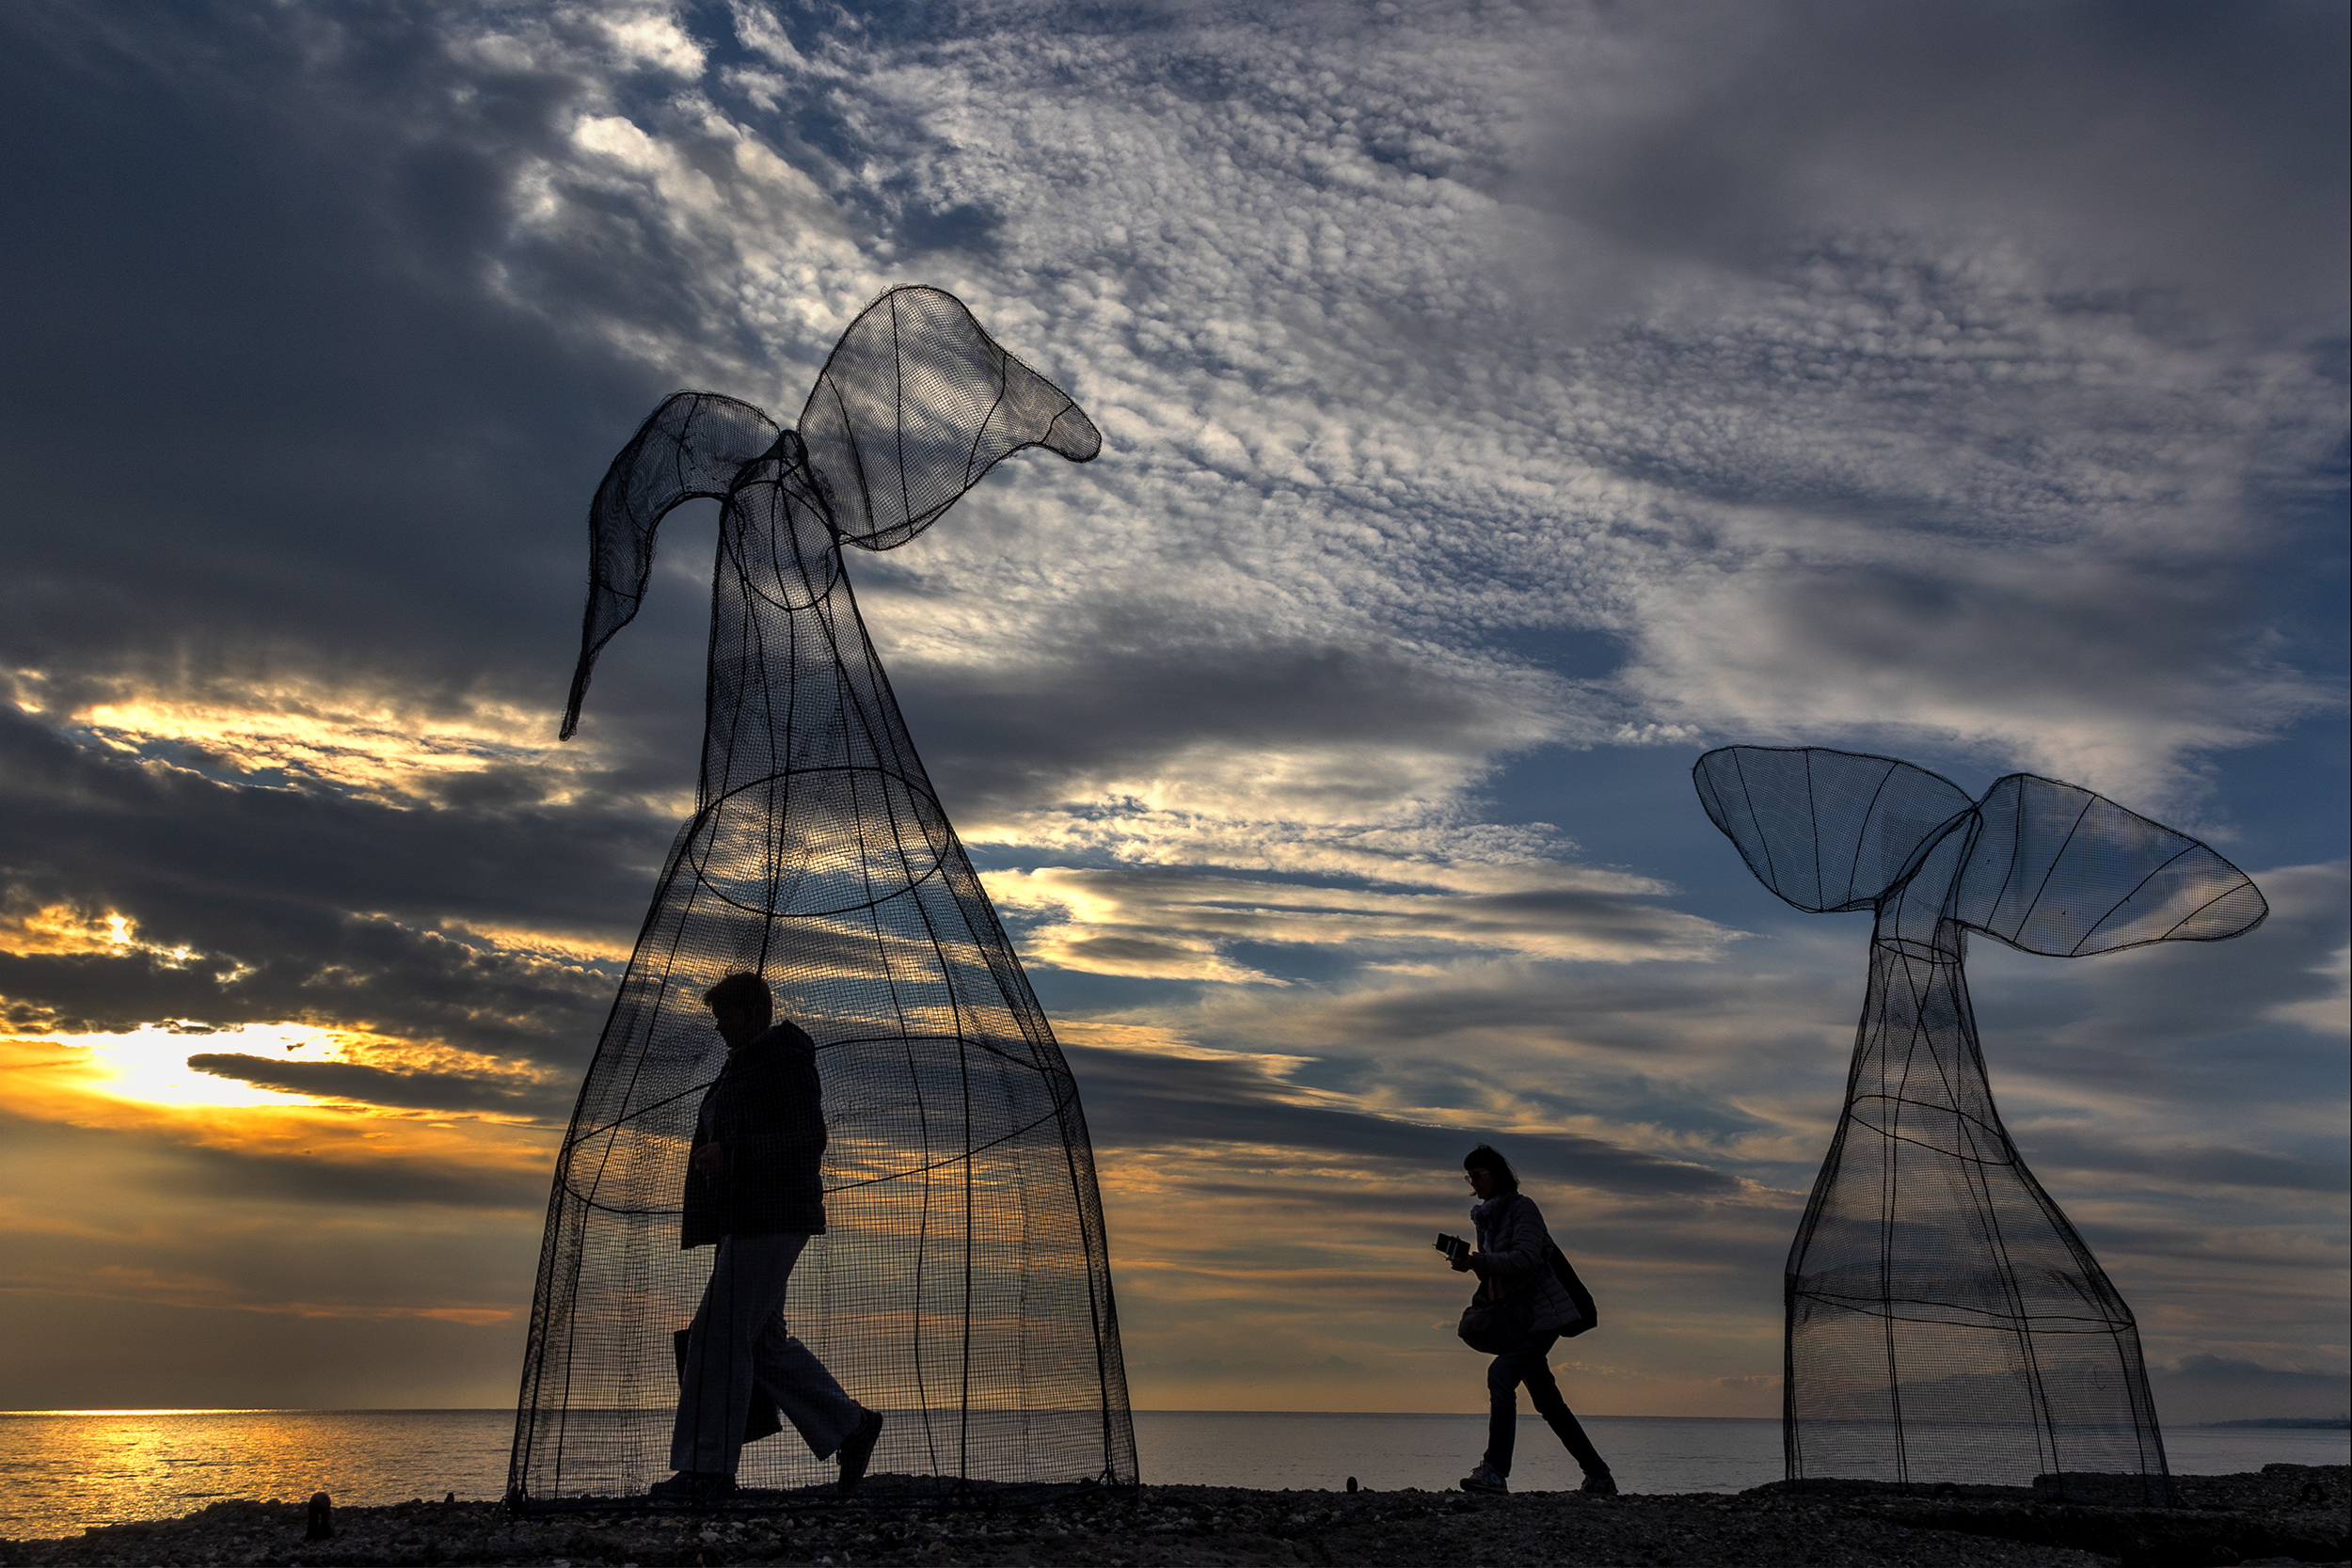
[2282, 1514]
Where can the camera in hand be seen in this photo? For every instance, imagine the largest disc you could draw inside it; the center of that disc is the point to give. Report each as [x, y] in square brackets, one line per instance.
[1454, 1247]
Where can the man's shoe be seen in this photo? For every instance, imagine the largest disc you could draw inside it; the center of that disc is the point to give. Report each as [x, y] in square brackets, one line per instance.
[1600, 1483]
[1483, 1478]
[858, 1449]
[692, 1488]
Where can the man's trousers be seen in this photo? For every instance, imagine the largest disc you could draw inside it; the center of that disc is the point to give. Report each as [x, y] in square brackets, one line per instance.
[737, 1339]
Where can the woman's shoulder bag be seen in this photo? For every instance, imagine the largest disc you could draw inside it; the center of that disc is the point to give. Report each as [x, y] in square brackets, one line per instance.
[1564, 1272]
[1489, 1326]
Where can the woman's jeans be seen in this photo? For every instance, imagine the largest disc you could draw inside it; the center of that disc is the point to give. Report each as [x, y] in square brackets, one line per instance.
[1530, 1363]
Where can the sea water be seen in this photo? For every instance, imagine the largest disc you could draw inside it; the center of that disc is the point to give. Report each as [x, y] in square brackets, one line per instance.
[62, 1471]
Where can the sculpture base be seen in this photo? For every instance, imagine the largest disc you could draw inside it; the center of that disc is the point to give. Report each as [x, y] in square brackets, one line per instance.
[2083, 1487]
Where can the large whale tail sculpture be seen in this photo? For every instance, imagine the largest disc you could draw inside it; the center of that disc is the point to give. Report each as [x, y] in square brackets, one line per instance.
[961, 1285]
[1945, 1322]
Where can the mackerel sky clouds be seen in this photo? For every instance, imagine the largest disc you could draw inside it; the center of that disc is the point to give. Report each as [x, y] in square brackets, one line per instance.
[1502, 405]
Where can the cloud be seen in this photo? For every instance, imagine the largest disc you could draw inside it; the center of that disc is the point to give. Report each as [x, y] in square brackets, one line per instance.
[2189, 1165]
[1487, 394]
[2140, 145]
[2049, 657]
[258, 904]
[1165, 923]
[223, 1157]
[375, 1086]
[1330, 420]
[146, 1269]
[483, 757]
[232, 1175]
[2220, 1387]
[1142, 1099]
[78, 1353]
[2188, 1027]
[1132, 711]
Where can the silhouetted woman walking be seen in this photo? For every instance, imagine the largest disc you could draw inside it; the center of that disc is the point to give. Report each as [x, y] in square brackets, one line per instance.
[1513, 1261]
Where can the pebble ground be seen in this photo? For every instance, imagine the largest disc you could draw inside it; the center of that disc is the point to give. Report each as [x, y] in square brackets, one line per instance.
[2225, 1520]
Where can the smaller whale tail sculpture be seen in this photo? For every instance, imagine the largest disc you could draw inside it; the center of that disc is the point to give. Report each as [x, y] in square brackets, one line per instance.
[1945, 1321]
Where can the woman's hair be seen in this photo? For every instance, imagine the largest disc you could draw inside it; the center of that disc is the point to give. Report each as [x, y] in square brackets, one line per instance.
[1486, 1157]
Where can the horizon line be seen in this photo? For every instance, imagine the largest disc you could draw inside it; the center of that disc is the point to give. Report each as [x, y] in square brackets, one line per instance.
[2316, 1422]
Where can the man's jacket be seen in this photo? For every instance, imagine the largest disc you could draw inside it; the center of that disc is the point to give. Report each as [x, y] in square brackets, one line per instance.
[766, 1114]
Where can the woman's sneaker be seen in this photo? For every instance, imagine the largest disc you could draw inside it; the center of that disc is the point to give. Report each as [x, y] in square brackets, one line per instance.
[1483, 1478]
[1600, 1483]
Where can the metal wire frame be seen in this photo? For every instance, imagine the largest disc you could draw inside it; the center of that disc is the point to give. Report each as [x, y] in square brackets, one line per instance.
[1945, 1322]
[963, 1286]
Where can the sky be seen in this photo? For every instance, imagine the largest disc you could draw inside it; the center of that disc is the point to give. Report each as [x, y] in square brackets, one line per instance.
[1502, 405]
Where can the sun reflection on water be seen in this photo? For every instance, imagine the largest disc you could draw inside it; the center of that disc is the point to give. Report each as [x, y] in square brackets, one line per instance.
[159, 1410]
[62, 1470]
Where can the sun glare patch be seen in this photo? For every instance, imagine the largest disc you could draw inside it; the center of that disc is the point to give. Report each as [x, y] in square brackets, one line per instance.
[150, 1065]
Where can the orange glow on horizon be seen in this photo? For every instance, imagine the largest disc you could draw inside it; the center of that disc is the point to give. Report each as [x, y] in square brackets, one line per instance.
[140, 1082]
[163, 1410]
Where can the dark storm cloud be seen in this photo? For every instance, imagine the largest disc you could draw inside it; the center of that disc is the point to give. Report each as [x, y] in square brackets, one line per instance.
[2191, 145]
[280, 418]
[300, 395]
[1138, 1100]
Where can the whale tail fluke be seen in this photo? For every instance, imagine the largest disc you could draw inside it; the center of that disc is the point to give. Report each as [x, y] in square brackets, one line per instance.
[1826, 830]
[2060, 871]
[689, 449]
[917, 404]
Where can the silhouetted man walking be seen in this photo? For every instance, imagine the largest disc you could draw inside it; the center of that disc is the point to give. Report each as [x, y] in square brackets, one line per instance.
[754, 1185]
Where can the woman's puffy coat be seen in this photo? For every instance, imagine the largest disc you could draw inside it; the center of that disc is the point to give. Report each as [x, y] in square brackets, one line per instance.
[1512, 1260]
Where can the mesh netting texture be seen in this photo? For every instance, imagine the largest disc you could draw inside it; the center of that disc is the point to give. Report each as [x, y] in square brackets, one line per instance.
[1945, 1321]
[960, 1285]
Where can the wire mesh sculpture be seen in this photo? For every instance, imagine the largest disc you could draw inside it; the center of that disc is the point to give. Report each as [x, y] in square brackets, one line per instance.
[1945, 1322]
[961, 1283]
